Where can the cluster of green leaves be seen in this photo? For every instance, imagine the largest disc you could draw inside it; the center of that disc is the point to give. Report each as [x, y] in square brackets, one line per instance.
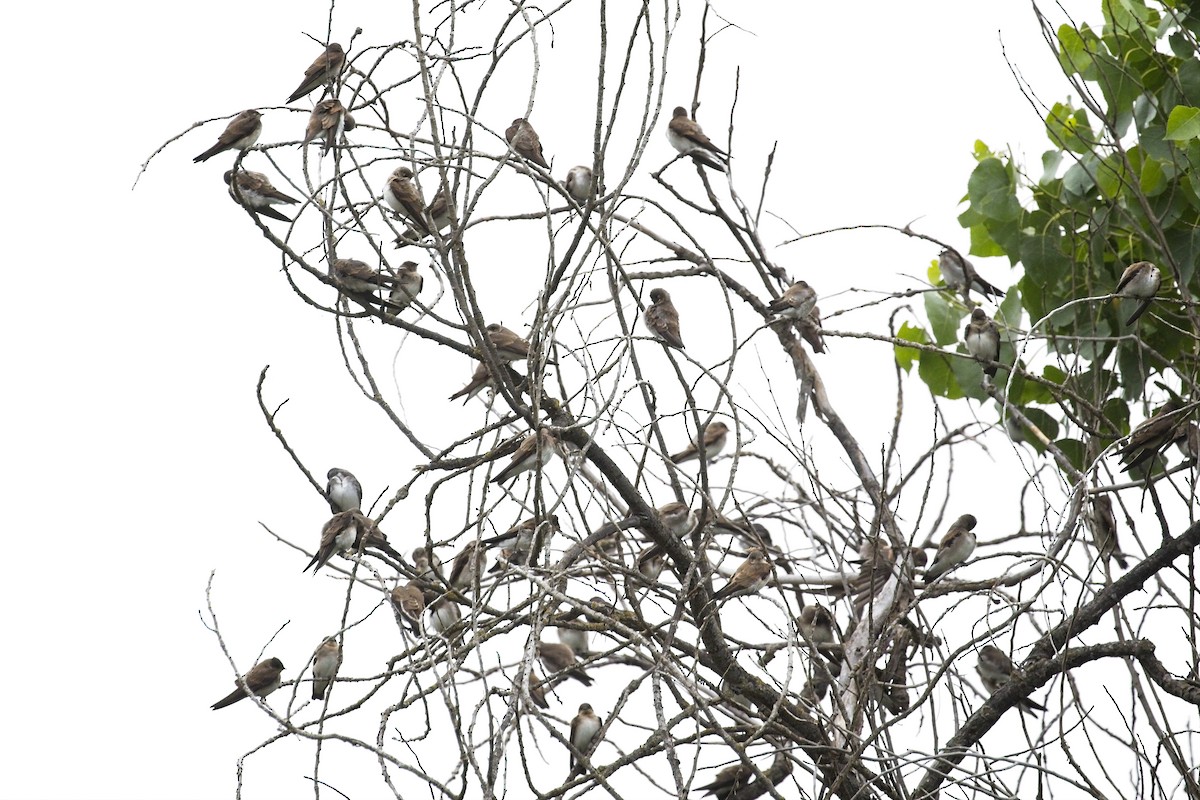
[1121, 184]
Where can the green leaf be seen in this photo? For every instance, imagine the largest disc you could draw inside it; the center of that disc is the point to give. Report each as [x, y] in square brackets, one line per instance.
[905, 356]
[1112, 175]
[991, 190]
[982, 243]
[1074, 50]
[943, 318]
[935, 370]
[1080, 177]
[1069, 128]
[1074, 450]
[1183, 124]
[1045, 423]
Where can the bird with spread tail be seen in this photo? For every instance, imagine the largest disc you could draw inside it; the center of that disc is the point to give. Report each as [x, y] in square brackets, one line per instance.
[240, 134]
[257, 193]
[524, 141]
[662, 320]
[982, 337]
[326, 661]
[326, 69]
[1141, 281]
[956, 271]
[585, 727]
[686, 136]
[261, 680]
[956, 547]
[711, 442]
[996, 670]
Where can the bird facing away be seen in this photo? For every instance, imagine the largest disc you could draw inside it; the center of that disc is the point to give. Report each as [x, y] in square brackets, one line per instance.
[818, 627]
[983, 340]
[753, 574]
[537, 691]
[1103, 523]
[650, 562]
[1140, 280]
[261, 680]
[328, 119]
[810, 329]
[343, 491]
[957, 546]
[257, 193]
[326, 661]
[580, 184]
[796, 303]
[481, 379]
[584, 730]
[408, 284]
[408, 602]
[1153, 436]
[1189, 441]
[325, 69]
[711, 441]
[561, 658]
[686, 137]
[955, 270]
[524, 141]
[729, 781]
[358, 276]
[534, 451]
[662, 320]
[338, 536]
[240, 134]
[996, 670]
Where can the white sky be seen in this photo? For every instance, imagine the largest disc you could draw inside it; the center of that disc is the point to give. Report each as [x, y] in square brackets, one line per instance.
[134, 452]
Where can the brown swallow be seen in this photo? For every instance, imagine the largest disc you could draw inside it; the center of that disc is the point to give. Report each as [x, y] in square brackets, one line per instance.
[534, 451]
[796, 302]
[753, 574]
[957, 546]
[677, 518]
[996, 670]
[662, 319]
[357, 276]
[1153, 436]
[810, 329]
[328, 116]
[343, 491]
[258, 194]
[338, 536]
[983, 340]
[426, 571]
[729, 781]
[686, 136]
[403, 196]
[580, 184]
[585, 728]
[650, 562]
[1189, 441]
[436, 216]
[326, 661]
[465, 570]
[537, 691]
[443, 615]
[1140, 280]
[261, 680]
[955, 271]
[523, 140]
[240, 134]
[408, 603]
[325, 69]
[560, 658]
[509, 347]
[818, 627]
[408, 284]
[371, 538]
[1103, 522]
[711, 441]
[480, 380]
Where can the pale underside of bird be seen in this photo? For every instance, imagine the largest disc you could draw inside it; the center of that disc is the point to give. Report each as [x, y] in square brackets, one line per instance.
[342, 490]
[1140, 281]
[956, 547]
[481, 379]
[955, 271]
[585, 728]
[326, 661]
[534, 452]
[982, 337]
[687, 137]
[995, 670]
[257, 193]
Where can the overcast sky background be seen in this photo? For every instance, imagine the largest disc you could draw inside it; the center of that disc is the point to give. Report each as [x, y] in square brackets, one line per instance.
[136, 457]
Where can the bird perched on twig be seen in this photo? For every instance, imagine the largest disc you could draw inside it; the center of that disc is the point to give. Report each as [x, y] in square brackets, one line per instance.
[711, 441]
[407, 285]
[561, 658]
[753, 574]
[729, 781]
[686, 136]
[481, 379]
[262, 679]
[327, 659]
[796, 302]
[956, 271]
[524, 141]
[326, 69]
[982, 337]
[662, 320]
[343, 491]
[330, 119]
[534, 451]
[257, 193]
[358, 276]
[1103, 523]
[580, 184]
[1141, 281]
[996, 670]
[408, 603]
[956, 547]
[584, 731]
[240, 134]
[1155, 435]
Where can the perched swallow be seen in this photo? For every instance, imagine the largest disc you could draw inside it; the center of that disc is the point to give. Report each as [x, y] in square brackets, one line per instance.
[436, 217]
[408, 603]
[407, 286]
[584, 730]
[517, 543]
[996, 670]
[481, 379]
[1153, 436]
[753, 574]
[575, 639]
[983, 340]
[1189, 441]
[325, 69]
[580, 184]
[338, 536]
[258, 194]
[711, 441]
[343, 491]
[686, 136]
[729, 781]
[1140, 280]
[810, 330]
[650, 562]
[465, 570]
[261, 680]
[818, 627]
[371, 538]
[240, 134]
[956, 547]
[560, 658]
[537, 691]
[443, 615]
[426, 571]
[955, 269]
[796, 303]
[677, 518]
[403, 196]
[523, 140]
[1103, 522]
[535, 451]
[326, 118]
[326, 661]
[662, 319]
[357, 276]
[509, 347]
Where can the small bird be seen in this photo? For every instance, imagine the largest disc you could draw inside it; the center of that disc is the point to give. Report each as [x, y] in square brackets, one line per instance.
[258, 194]
[810, 329]
[1189, 441]
[1154, 436]
[443, 615]
[325, 69]
[753, 574]
[561, 658]
[584, 730]
[1140, 280]
[481, 379]
[796, 303]
[436, 217]
[517, 543]
[408, 284]
[465, 570]
[328, 116]
[996, 670]
[403, 196]
[956, 547]
[575, 639]
[1103, 522]
[357, 276]
[524, 141]
[677, 518]
[371, 538]
[326, 661]
[537, 691]
[955, 269]
[534, 451]
[343, 491]
[425, 571]
[261, 680]
[983, 340]
[818, 627]
[686, 136]
[729, 781]
[711, 441]
[650, 562]
[339, 535]
[240, 134]
[509, 347]
[408, 603]
[580, 184]
[662, 319]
